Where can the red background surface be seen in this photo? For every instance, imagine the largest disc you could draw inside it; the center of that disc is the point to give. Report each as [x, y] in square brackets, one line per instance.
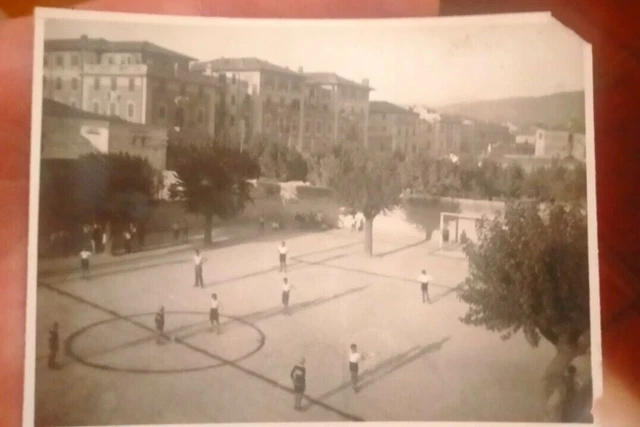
[611, 26]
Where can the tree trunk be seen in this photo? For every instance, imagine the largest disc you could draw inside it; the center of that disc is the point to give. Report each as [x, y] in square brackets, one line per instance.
[554, 381]
[368, 236]
[208, 228]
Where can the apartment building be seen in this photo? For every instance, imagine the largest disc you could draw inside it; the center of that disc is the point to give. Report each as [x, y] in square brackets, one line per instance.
[139, 82]
[392, 128]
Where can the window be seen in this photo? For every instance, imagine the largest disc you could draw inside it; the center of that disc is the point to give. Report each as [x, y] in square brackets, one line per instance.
[233, 100]
[131, 111]
[75, 61]
[58, 83]
[222, 78]
[268, 100]
[96, 107]
[180, 117]
[329, 128]
[114, 83]
[232, 120]
[96, 83]
[233, 79]
[132, 84]
[162, 112]
[282, 101]
[113, 109]
[46, 61]
[44, 83]
[59, 61]
[200, 116]
[110, 61]
[183, 89]
[307, 126]
[162, 86]
[319, 127]
[74, 84]
[267, 122]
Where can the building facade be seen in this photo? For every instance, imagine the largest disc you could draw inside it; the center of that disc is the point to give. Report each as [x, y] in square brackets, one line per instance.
[259, 98]
[137, 81]
[560, 144]
[392, 128]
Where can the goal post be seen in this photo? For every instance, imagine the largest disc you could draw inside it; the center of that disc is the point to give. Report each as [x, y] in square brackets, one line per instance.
[455, 227]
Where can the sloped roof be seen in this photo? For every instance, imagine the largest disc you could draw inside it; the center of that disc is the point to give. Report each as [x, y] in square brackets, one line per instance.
[333, 79]
[388, 108]
[57, 109]
[91, 44]
[240, 64]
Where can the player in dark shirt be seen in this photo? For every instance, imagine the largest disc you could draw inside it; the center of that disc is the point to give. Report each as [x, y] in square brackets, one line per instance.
[299, 378]
[54, 346]
[160, 325]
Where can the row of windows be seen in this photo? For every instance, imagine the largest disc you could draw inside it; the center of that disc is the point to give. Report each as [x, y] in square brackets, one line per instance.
[161, 114]
[281, 84]
[113, 109]
[58, 60]
[75, 83]
[400, 132]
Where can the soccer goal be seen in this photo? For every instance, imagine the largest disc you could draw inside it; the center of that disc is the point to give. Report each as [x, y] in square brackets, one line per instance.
[457, 228]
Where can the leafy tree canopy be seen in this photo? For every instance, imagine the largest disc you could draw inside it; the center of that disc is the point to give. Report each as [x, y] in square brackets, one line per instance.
[529, 272]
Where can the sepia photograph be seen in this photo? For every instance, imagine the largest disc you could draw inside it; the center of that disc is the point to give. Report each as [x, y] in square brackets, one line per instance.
[252, 220]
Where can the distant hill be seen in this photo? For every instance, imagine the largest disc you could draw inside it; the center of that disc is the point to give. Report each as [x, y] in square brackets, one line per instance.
[552, 110]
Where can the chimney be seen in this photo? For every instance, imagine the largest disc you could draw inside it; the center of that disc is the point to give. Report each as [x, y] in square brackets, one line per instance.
[84, 37]
[365, 82]
[300, 70]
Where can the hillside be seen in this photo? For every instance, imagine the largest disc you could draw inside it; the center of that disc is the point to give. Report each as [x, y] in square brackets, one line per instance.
[552, 110]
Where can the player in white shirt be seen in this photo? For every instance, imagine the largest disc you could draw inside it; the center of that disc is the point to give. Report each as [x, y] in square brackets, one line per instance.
[84, 262]
[283, 250]
[286, 289]
[354, 366]
[424, 280]
[198, 260]
[214, 312]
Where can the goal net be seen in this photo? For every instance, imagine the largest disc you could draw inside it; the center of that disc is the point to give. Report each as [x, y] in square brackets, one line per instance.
[456, 229]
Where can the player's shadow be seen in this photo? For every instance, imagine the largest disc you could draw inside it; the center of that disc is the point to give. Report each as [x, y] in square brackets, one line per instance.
[370, 376]
[258, 316]
[446, 293]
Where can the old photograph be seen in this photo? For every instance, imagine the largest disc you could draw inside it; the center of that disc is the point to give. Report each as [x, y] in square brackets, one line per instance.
[311, 221]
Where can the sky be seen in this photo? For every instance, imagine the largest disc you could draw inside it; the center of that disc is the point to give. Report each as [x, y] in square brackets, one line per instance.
[432, 61]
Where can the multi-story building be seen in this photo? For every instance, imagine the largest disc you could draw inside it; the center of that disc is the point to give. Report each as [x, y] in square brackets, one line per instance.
[263, 98]
[335, 111]
[392, 128]
[137, 81]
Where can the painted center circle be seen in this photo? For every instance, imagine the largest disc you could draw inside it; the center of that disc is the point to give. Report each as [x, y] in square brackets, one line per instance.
[130, 344]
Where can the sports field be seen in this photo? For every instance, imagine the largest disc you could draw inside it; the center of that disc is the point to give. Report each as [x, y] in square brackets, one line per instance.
[425, 365]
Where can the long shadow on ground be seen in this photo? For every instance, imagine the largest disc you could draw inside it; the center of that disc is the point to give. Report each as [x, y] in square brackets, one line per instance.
[384, 368]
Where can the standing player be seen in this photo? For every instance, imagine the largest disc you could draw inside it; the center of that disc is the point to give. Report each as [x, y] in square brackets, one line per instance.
[424, 280]
[299, 377]
[54, 345]
[198, 260]
[160, 325]
[283, 250]
[354, 366]
[85, 254]
[286, 289]
[214, 312]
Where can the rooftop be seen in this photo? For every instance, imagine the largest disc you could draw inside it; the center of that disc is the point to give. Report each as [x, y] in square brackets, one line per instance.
[388, 108]
[334, 79]
[101, 44]
[240, 64]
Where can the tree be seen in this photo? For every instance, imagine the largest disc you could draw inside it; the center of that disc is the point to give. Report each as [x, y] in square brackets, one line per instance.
[529, 272]
[278, 161]
[213, 181]
[368, 182]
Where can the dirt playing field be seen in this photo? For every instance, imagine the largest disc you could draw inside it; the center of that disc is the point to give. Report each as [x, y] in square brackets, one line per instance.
[424, 364]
